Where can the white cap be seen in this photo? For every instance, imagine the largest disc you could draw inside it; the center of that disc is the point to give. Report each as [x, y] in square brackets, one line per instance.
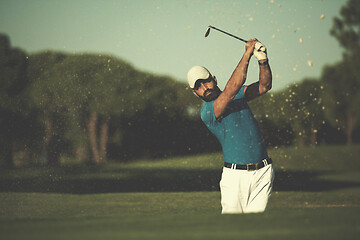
[196, 73]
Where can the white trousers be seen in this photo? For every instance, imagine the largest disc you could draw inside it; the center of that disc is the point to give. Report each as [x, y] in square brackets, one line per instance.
[245, 191]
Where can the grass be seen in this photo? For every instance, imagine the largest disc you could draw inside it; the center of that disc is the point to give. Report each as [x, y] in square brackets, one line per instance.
[316, 196]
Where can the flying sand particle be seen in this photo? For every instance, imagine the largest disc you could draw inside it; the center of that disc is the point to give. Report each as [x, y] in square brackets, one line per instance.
[322, 16]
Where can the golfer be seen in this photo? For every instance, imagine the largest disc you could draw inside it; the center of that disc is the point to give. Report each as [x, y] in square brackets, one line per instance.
[247, 177]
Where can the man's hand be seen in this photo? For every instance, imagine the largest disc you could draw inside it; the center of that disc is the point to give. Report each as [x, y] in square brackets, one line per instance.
[260, 51]
[250, 46]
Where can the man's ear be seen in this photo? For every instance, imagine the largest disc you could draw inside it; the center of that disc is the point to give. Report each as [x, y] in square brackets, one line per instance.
[215, 80]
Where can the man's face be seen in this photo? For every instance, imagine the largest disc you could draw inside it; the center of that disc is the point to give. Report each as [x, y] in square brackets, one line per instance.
[206, 89]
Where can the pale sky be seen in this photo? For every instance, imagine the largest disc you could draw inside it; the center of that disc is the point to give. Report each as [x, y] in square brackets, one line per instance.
[166, 37]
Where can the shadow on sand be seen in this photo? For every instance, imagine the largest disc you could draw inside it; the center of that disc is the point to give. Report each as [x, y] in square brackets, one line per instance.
[158, 180]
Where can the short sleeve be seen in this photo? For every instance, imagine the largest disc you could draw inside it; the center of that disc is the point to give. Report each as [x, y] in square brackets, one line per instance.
[207, 114]
[241, 93]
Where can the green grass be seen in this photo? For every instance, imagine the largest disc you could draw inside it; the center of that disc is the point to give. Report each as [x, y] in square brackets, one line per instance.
[316, 196]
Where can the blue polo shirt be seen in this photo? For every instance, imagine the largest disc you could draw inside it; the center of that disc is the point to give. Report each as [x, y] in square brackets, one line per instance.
[237, 131]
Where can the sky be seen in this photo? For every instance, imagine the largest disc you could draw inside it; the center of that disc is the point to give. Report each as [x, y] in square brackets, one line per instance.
[166, 37]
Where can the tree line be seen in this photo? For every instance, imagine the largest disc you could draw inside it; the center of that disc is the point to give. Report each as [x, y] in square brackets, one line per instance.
[57, 107]
[88, 107]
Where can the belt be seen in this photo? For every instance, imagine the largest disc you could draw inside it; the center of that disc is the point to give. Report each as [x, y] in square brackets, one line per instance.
[249, 167]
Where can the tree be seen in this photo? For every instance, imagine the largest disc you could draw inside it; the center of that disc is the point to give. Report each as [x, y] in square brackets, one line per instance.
[343, 79]
[341, 96]
[160, 127]
[96, 88]
[272, 116]
[14, 112]
[304, 107]
[346, 29]
[87, 100]
[293, 114]
[44, 98]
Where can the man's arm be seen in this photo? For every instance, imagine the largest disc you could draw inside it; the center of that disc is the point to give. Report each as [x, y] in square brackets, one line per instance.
[235, 82]
[265, 76]
[263, 85]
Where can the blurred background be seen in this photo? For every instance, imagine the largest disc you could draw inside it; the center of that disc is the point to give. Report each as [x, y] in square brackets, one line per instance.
[105, 81]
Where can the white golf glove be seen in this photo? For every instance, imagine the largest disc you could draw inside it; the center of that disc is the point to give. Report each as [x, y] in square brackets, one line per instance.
[260, 51]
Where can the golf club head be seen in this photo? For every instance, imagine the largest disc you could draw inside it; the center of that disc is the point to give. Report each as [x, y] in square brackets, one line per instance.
[207, 32]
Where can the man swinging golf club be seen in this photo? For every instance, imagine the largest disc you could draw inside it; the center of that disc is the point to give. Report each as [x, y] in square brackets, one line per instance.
[247, 177]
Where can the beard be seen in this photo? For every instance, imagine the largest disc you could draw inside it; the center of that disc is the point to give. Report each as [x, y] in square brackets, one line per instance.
[211, 94]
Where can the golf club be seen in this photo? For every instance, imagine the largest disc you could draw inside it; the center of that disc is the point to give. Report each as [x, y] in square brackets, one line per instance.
[208, 32]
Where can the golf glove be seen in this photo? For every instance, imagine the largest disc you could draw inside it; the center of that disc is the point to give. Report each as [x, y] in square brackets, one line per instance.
[260, 51]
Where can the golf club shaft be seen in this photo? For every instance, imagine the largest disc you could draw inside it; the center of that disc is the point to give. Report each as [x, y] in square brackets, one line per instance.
[228, 34]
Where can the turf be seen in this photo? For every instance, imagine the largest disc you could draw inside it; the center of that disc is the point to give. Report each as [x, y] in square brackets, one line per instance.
[316, 196]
